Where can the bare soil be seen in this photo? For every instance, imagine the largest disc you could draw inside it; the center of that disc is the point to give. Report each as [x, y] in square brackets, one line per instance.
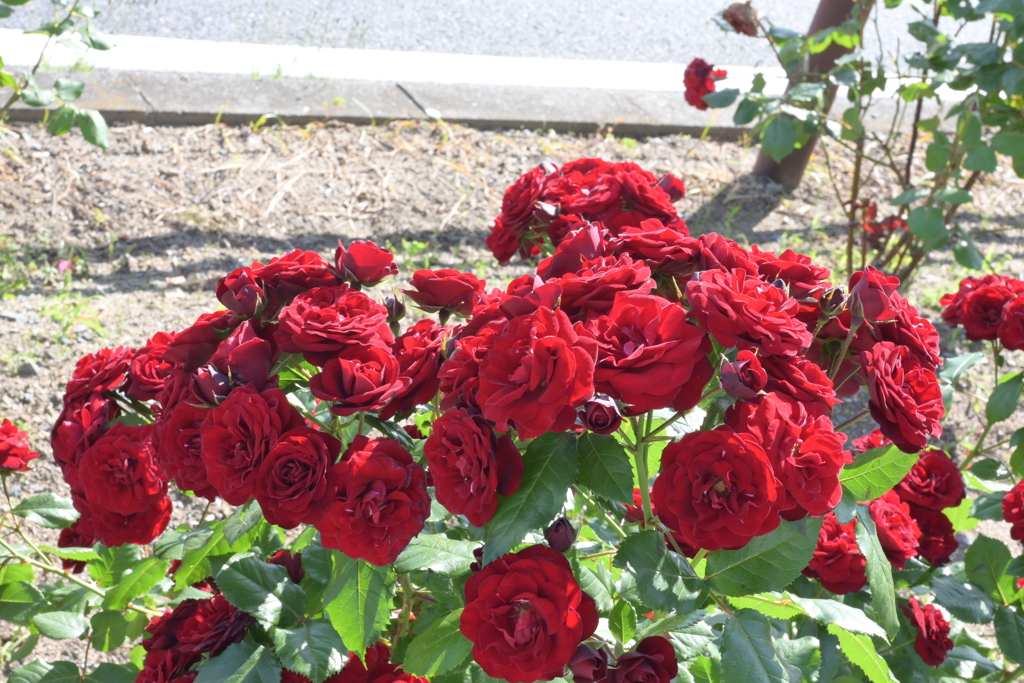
[156, 220]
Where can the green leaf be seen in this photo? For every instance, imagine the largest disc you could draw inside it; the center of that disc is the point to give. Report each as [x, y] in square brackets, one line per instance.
[62, 120]
[1005, 398]
[19, 601]
[936, 157]
[68, 90]
[746, 112]
[76, 554]
[779, 138]
[768, 562]
[954, 368]
[113, 563]
[960, 516]
[111, 673]
[1010, 633]
[313, 649]
[438, 553]
[721, 98]
[358, 600]
[263, 590]
[965, 601]
[242, 521]
[61, 672]
[550, 465]
[665, 580]
[876, 471]
[981, 158]
[595, 588]
[679, 624]
[772, 605]
[861, 651]
[605, 467]
[966, 253]
[985, 564]
[35, 97]
[845, 616]
[748, 655]
[622, 621]
[48, 510]
[910, 196]
[94, 127]
[853, 129]
[438, 649]
[9, 573]
[245, 662]
[879, 571]
[194, 558]
[1013, 81]
[953, 195]
[34, 671]
[142, 577]
[60, 625]
[5, 12]
[109, 630]
[929, 224]
[1010, 144]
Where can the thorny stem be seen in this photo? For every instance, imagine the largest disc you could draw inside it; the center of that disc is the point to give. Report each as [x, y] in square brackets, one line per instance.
[857, 418]
[640, 458]
[842, 352]
[894, 647]
[663, 426]
[592, 504]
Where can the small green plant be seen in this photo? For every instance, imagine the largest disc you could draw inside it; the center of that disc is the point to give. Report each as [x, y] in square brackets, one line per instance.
[70, 309]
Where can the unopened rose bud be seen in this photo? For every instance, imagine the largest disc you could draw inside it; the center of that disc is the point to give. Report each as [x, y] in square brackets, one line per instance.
[589, 665]
[832, 302]
[396, 311]
[742, 16]
[293, 563]
[545, 212]
[210, 385]
[744, 378]
[478, 553]
[560, 535]
[600, 415]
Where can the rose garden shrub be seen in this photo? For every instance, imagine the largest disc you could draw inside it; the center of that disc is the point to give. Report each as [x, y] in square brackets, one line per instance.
[625, 466]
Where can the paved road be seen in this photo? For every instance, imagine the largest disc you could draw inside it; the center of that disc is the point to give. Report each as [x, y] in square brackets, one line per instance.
[645, 30]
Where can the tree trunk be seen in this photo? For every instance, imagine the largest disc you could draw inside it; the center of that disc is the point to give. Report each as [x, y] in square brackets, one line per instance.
[830, 13]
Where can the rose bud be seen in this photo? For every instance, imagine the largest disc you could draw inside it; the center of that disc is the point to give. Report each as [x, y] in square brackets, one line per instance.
[241, 293]
[478, 554]
[673, 187]
[560, 535]
[871, 295]
[293, 563]
[396, 311]
[210, 385]
[744, 378]
[832, 301]
[589, 665]
[653, 661]
[600, 415]
[364, 263]
[413, 431]
[742, 16]
[545, 212]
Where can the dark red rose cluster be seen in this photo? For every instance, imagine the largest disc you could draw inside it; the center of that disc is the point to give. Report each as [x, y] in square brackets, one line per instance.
[989, 308]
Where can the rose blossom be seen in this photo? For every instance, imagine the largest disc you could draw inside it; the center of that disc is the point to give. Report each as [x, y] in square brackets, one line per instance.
[293, 563]
[742, 16]
[717, 489]
[1013, 510]
[446, 290]
[653, 661]
[873, 439]
[1011, 326]
[526, 615]
[932, 641]
[897, 530]
[937, 540]
[699, 80]
[98, 373]
[284, 277]
[471, 466]
[589, 665]
[297, 480]
[324, 321]
[361, 378]
[418, 353]
[381, 502]
[148, 370]
[982, 311]
[241, 293]
[77, 428]
[15, 453]
[118, 472]
[800, 380]
[560, 535]
[912, 331]
[871, 294]
[364, 263]
[744, 377]
[838, 563]
[934, 482]
[906, 400]
[236, 436]
[213, 626]
[373, 667]
[193, 347]
[177, 447]
[114, 528]
[79, 535]
[591, 290]
[600, 415]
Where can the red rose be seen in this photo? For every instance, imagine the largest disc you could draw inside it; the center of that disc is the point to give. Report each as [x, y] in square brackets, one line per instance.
[471, 466]
[906, 400]
[418, 353]
[118, 472]
[286, 276]
[653, 661]
[934, 482]
[804, 279]
[194, 346]
[178, 448]
[871, 293]
[954, 302]
[98, 373]
[1013, 510]
[600, 415]
[381, 502]
[241, 293]
[213, 626]
[519, 202]
[717, 489]
[460, 373]
[504, 240]
[583, 189]
[897, 530]
[932, 641]
[78, 535]
[937, 541]
[538, 371]
[744, 378]
[322, 322]
[588, 664]
[673, 187]
[646, 351]
[374, 667]
[148, 370]
[364, 263]
[237, 435]
[526, 615]
[246, 356]
[699, 80]
[15, 453]
[446, 290]
[293, 563]
[912, 331]
[745, 312]
[590, 291]
[361, 378]
[982, 311]
[1011, 327]
[806, 454]
[838, 563]
[873, 439]
[665, 250]
[642, 194]
[583, 243]
[114, 529]
[297, 479]
[78, 427]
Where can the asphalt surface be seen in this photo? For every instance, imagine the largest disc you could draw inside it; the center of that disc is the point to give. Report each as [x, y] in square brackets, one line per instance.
[647, 31]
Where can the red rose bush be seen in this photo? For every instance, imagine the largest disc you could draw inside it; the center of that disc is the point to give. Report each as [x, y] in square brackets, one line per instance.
[621, 466]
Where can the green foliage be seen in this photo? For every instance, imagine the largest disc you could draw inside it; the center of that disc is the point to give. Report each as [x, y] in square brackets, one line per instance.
[439, 649]
[358, 600]
[605, 468]
[768, 562]
[664, 580]
[875, 472]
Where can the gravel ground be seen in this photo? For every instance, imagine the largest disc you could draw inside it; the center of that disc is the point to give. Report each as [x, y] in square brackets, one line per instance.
[156, 220]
